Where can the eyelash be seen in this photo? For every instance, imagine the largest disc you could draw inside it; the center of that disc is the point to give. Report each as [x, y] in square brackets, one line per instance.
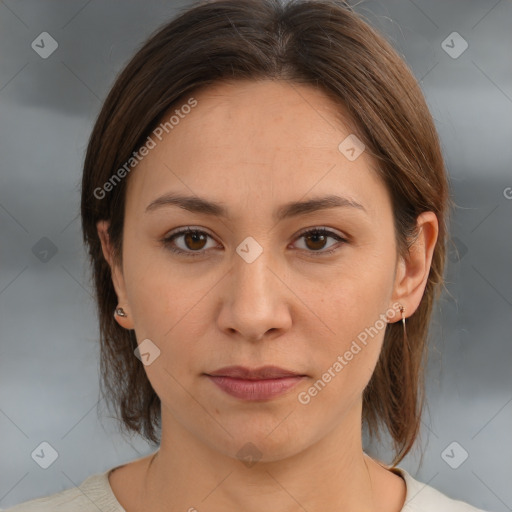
[167, 241]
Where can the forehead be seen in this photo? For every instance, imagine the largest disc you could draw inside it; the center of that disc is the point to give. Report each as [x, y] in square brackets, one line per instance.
[268, 113]
[267, 138]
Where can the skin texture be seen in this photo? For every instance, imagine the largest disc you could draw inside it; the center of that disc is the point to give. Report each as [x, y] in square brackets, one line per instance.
[254, 146]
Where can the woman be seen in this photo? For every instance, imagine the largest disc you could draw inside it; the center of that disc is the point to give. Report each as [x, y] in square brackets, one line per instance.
[264, 201]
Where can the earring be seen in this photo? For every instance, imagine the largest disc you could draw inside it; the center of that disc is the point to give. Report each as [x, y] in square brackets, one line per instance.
[402, 309]
[119, 312]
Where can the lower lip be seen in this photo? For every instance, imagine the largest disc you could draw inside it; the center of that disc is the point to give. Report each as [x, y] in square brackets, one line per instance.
[255, 389]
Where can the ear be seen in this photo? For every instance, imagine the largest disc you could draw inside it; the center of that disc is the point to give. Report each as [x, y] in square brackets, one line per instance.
[413, 270]
[117, 275]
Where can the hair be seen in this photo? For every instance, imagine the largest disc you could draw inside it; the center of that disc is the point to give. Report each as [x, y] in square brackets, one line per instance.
[322, 43]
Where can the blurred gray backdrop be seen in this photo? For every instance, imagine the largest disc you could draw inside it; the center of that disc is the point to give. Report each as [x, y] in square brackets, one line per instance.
[50, 93]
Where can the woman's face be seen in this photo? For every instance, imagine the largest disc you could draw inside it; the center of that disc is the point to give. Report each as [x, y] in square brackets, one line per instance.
[250, 289]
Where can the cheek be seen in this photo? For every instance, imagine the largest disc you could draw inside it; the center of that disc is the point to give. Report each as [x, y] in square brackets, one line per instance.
[360, 289]
[353, 305]
[168, 307]
[159, 291]
[345, 360]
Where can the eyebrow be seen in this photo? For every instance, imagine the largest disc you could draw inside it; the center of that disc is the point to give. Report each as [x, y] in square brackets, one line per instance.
[199, 205]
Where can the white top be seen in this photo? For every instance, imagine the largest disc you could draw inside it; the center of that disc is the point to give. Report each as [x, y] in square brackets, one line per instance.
[96, 494]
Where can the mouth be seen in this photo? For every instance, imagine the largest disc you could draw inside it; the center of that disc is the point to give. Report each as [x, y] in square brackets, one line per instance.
[262, 373]
[255, 384]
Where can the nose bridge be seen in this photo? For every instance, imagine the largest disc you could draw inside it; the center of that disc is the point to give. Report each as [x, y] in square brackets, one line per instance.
[252, 278]
[252, 306]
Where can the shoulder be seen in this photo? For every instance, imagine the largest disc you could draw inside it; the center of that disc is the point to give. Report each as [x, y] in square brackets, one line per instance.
[421, 497]
[93, 494]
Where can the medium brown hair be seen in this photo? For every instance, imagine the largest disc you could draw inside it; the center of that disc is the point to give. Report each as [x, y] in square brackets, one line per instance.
[323, 43]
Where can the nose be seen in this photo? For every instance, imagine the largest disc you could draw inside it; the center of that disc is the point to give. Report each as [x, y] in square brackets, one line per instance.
[255, 300]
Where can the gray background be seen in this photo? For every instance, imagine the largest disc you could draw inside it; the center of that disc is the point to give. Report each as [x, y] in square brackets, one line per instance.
[48, 351]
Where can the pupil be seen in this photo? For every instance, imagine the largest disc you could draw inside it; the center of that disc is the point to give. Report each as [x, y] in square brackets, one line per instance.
[317, 237]
[195, 237]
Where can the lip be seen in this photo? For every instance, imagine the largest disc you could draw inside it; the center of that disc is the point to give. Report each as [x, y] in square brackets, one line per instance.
[263, 389]
[258, 384]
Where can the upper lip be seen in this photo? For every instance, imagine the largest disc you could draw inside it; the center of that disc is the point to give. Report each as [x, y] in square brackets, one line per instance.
[264, 372]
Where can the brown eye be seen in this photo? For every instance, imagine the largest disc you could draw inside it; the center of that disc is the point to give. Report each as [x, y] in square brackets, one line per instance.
[193, 243]
[194, 240]
[315, 240]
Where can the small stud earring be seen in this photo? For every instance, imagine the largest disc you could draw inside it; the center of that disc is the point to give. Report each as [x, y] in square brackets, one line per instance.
[119, 312]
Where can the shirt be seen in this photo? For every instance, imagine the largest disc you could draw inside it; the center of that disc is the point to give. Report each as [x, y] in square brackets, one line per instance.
[96, 494]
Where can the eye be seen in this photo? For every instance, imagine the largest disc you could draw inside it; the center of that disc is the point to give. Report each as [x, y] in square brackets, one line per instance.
[316, 239]
[195, 241]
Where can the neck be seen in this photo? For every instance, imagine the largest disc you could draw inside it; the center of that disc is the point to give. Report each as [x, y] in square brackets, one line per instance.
[330, 474]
